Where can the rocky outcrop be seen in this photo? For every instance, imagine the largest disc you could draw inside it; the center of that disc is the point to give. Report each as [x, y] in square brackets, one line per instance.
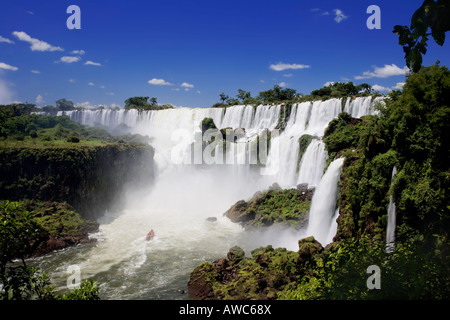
[61, 227]
[263, 276]
[289, 207]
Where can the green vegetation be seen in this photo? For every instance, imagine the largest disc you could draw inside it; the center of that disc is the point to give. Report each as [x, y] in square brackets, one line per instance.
[339, 90]
[289, 207]
[288, 96]
[432, 15]
[303, 143]
[18, 281]
[141, 103]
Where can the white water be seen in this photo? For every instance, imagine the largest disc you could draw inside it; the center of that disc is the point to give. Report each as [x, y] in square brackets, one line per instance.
[178, 203]
[312, 163]
[390, 230]
[323, 206]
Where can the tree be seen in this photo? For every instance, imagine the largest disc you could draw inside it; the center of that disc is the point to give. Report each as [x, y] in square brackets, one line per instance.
[153, 101]
[223, 97]
[434, 15]
[242, 95]
[64, 105]
[137, 103]
[277, 94]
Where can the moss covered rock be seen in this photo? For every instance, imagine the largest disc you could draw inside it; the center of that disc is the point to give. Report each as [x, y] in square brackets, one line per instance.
[275, 206]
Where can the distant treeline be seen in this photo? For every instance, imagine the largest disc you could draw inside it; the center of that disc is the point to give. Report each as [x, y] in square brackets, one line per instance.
[288, 95]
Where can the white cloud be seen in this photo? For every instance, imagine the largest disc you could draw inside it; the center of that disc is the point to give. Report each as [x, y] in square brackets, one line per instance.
[30, 12]
[85, 105]
[91, 84]
[88, 105]
[377, 87]
[6, 40]
[383, 72]
[92, 63]
[187, 85]
[68, 59]
[7, 67]
[39, 100]
[110, 94]
[282, 84]
[288, 75]
[328, 83]
[199, 92]
[102, 87]
[35, 71]
[339, 15]
[159, 82]
[72, 80]
[6, 95]
[80, 52]
[36, 45]
[399, 86]
[285, 66]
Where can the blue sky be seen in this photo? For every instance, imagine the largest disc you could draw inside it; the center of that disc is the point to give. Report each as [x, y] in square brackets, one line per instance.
[188, 52]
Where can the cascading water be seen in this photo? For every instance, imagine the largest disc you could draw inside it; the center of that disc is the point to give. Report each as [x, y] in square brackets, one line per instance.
[390, 230]
[184, 196]
[323, 207]
[312, 163]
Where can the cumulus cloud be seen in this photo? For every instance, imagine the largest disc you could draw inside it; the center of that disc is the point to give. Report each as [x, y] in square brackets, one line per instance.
[72, 80]
[383, 72]
[91, 84]
[68, 59]
[35, 71]
[159, 82]
[339, 15]
[36, 44]
[285, 66]
[6, 94]
[92, 63]
[39, 100]
[6, 66]
[187, 85]
[398, 86]
[6, 40]
[328, 83]
[80, 52]
[377, 87]
[282, 84]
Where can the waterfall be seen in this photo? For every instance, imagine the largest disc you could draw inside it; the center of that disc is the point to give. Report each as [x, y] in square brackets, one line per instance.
[390, 231]
[323, 207]
[312, 163]
[285, 167]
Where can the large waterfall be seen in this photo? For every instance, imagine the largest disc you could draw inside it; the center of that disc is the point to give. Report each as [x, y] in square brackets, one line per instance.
[184, 195]
[310, 118]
